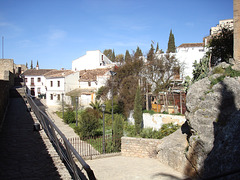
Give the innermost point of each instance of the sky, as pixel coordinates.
(56, 32)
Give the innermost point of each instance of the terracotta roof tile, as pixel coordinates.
(58, 73)
(191, 45)
(35, 72)
(91, 75)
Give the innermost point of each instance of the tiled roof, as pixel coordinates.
(191, 45)
(91, 75)
(58, 73)
(35, 72)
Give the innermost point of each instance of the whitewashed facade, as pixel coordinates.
(186, 54)
(58, 83)
(35, 81)
(92, 60)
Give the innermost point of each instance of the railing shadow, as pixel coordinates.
(23, 153)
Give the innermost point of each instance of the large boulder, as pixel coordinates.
(213, 116)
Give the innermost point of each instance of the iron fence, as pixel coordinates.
(93, 146)
(64, 148)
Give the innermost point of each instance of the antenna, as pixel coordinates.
(3, 47)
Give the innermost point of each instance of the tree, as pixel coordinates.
(108, 53)
(88, 123)
(157, 48)
(31, 64)
(171, 43)
(138, 53)
(221, 47)
(113, 56)
(26, 65)
(137, 115)
(124, 84)
(128, 57)
(120, 58)
(160, 72)
(150, 55)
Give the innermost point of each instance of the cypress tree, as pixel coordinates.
(157, 48)
(113, 56)
(137, 115)
(171, 43)
(31, 64)
(128, 57)
(138, 53)
(150, 55)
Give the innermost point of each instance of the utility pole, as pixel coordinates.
(2, 47)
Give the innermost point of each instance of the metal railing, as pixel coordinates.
(64, 148)
(93, 146)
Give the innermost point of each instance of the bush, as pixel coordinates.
(165, 130)
(88, 124)
(69, 116)
(129, 129)
(151, 112)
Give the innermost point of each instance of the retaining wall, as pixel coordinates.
(4, 94)
(139, 147)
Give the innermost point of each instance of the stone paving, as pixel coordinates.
(126, 168)
(27, 154)
(23, 153)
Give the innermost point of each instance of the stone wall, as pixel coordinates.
(139, 147)
(4, 94)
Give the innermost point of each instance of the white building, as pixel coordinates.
(90, 82)
(58, 83)
(226, 23)
(92, 60)
(36, 81)
(187, 53)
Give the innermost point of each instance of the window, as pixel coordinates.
(39, 79)
(58, 83)
(51, 96)
(32, 81)
(26, 79)
(58, 97)
(51, 83)
(89, 83)
(39, 90)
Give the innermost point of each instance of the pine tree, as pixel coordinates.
(26, 65)
(128, 57)
(137, 115)
(171, 43)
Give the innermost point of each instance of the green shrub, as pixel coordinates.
(69, 116)
(218, 70)
(129, 129)
(89, 124)
(151, 112)
(168, 129)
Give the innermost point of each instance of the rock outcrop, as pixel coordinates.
(213, 115)
(212, 145)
